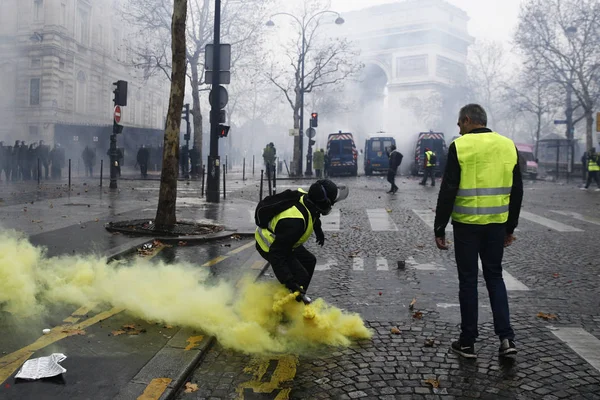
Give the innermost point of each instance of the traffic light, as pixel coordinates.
(314, 120)
(120, 93)
(186, 112)
(223, 130)
(311, 142)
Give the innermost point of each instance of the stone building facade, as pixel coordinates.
(58, 60)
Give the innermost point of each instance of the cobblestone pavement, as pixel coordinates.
(553, 268)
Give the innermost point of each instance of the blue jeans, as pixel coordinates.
(487, 242)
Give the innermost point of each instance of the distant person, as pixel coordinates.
(593, 167)
(24, 161)
(16, 165)
(269, 154)
(143, 156)
(32, 160)
(482, 190)
(319, 162)
(7, 161)
(184, 159)
(195, 161)
(57, 160)
(44, 154)
(326, 164)
(429, 164)
(395, 159)
(89, 159)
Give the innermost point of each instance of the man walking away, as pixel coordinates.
(593, 167)
(285, 222)
(395, 161)
(44, 152)
(143, 156)
(482, 190)
(89, 159)
(269, 158)
(429, 163)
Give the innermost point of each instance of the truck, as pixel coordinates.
(528, 163)
(376, 154)
(434, 141)
(342, 154)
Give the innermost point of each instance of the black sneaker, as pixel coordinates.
(507, 348)
(465, 351)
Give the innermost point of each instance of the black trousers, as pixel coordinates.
(301, 263)
(391, 178)
(592, 175)
(429, 172)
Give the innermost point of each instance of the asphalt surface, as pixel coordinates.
(552, 268)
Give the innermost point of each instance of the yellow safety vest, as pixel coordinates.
(487, 161)
(428, 155)
(266, 237)
(593, 164)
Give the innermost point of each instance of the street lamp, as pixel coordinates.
(304, 23)
(570, 32)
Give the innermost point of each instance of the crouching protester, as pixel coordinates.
(285, 222)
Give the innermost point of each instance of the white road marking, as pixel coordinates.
(578, 216)
(557, 226)
(382, 264)
(325, 267)
(423, 267)
(583, 343)
(380, 220)
(447, 305)
(358, 264)
(511, 283)
(428, 217)
(251, 212)
(331, 222)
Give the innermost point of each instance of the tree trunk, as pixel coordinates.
(196, 111)
(537, 132)
(165, 214)
(589, 130)
(297, 154)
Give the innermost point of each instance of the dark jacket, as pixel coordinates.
(449, 190)
(395, 160)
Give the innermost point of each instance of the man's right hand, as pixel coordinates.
(509, 239)
(294, 287)
(441, 243)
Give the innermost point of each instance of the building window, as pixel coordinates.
(34, 130)
(83, 26)
(61, 94)
(36, 62)
(38, 10)
(61, 64)
(81, 92)
(34, 92)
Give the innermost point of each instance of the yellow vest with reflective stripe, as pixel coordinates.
(428, 155)
(266, 237)
(487, 161)
(592, 163)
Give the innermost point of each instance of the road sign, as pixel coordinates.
(118, 114)
(224, 77)
(223, 97)
(311, 132)
(294, 132)
(560, 122)
(225, 60)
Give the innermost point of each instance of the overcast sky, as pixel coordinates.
(490, 19)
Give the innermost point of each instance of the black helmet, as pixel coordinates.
(322, 194)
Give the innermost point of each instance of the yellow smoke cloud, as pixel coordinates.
(246, 318)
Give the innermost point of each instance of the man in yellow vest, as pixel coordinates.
(282, 243)
(429, 164)
(593, 167)
(482, 190)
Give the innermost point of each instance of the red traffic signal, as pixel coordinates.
(314, 120)
(223, 131)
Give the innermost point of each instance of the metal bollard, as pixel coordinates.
(252, 165)
(274, 180)
(224, 188)
(244, 170)
(78, 167)
(261, 184)
(101, 171)
(226, 164)
(203, 172)
(69, 174)
(38, 171)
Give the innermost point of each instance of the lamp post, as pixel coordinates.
(303, 26)
(570, 32)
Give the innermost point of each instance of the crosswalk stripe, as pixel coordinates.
(380, 220)
(583, 343)
(382, 264)
(557, 226)
(331, 222)
(251, 212)
(428, 217)
(358, 264)
(325, 267)
(511, 283)
(578, 216)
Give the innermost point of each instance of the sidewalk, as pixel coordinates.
(99, 365)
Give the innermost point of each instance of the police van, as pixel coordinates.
(434, 141)
(342, 154)
(376, 154)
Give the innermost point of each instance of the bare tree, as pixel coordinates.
(563, 38)
(327, 62)
(240, 25)
(165, 214)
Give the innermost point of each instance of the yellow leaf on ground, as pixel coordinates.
(546, 316)
(433, 382)
(418, 315)
(191, 387)
(429, 342)
(412, 304)
(129, 326)
(395, 331)
(117, 333)
(73, 332)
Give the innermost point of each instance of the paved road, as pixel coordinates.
(552, 268)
